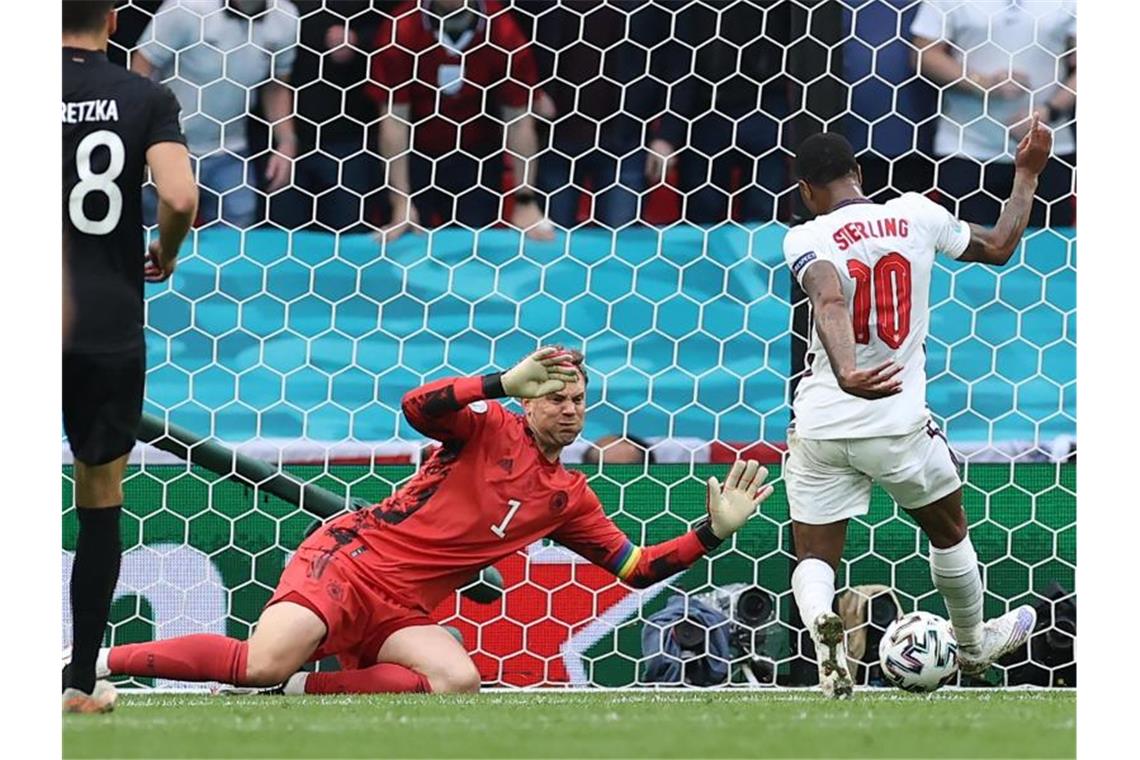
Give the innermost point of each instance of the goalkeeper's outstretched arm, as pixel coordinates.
(594, 536)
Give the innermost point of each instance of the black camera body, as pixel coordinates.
(1049, 659)
(749, 610)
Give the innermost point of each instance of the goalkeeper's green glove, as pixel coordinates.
(547, 370)
(730, 507)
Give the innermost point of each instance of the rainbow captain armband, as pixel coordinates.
(664, 559)
(625, 562)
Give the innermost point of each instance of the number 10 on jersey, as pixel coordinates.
(889, 284)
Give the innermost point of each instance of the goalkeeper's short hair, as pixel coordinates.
(825, 157)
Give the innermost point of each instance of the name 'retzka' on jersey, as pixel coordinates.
(884, 254)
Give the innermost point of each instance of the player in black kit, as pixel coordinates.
(115, 123)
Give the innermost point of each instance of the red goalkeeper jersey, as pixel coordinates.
(485, 494)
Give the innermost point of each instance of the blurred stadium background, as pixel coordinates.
(657, 137)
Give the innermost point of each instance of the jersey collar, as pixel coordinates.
(82, 55)
(849, 202)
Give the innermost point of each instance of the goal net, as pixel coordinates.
(289, 332)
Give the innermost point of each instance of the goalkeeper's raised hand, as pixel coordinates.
(731, 506)
(545, 371)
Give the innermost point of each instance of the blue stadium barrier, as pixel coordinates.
(686, 331)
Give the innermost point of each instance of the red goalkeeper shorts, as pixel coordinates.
(322, 577)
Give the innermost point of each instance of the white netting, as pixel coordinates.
(290, 333)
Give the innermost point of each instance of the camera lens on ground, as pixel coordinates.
(753, 607)
(690, 636)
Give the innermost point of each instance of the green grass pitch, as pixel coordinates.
(576, 724)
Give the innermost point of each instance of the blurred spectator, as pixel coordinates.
(213, 54)
(335, 176)
(455, 71)
(132, 20)
(889, 122)
(615, 449)
(595, 62)
(1002, 62)
(729, 105)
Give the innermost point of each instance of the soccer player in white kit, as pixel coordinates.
(860, 409)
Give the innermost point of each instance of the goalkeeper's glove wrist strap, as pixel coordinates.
(705, 535)
(493, 385)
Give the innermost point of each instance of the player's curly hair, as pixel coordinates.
(825, 157)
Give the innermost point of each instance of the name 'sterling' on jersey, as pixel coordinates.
(853, 232)
(104, 109)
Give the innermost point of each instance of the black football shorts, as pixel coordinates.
(102, 403)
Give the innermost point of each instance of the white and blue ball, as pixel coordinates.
(919, 653)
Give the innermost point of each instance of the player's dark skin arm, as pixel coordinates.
(995, 245)
(833, 324)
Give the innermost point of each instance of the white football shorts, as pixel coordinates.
(830, 480)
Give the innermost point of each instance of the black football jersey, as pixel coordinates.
(111, 116)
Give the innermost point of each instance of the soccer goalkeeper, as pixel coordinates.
(361, 588)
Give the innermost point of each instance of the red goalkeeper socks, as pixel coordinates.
(209, 657)
(385, 678)
(198, 657)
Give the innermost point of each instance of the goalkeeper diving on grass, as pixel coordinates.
(362, 586)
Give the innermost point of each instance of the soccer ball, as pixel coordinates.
(918, 653)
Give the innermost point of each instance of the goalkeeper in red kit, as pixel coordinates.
(362, 586)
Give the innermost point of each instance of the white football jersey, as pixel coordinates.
(884, 254)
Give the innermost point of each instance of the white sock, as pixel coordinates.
(813, 584)
(102, 668)
(296, 683)
(956, 576)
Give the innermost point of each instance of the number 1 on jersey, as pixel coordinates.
(500, 530)
(891, 291)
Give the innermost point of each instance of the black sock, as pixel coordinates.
(94, 574)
